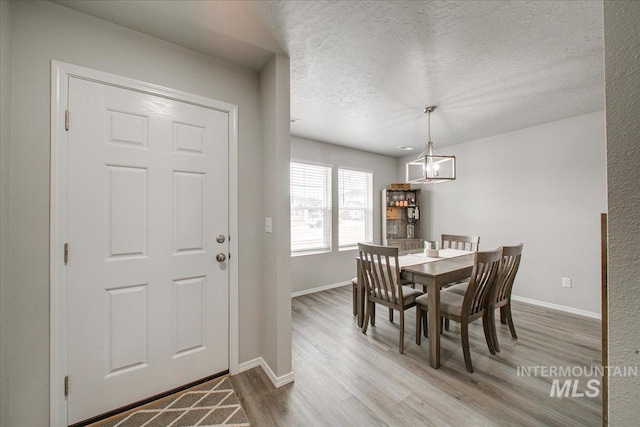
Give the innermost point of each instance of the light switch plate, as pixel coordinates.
(268, 225)
(566, 282)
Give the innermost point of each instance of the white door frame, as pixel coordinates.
(60, 73)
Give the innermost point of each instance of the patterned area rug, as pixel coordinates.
(213, 403)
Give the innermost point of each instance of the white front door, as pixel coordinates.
(147, 196)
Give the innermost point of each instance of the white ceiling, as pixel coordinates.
(361, 71)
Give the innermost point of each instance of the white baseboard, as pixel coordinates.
(259, 361)
(250, 364)
(319, 289)
(559, 307)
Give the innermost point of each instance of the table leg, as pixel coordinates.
(433, 296)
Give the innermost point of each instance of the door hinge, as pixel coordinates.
(66, 120)
(66, 253)
(66, 386)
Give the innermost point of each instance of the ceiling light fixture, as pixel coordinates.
(405, 148)
(431, 167)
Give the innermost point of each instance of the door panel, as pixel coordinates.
(188, 315)
(147, 194)
(126, 208)
(127, 328)
(188, 205)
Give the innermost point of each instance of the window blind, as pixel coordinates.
(355, 207)
(310, 208)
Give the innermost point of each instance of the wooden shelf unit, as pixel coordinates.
(401, 218)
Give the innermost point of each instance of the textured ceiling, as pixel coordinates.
(361, 71)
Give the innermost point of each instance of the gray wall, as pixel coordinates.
(544, 186)
(309, 271)
(6, 12)
(43, 31)
(622, 88)
(276, 246)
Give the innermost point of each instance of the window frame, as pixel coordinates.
(327, 209)
(368, 211)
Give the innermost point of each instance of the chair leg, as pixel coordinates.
(418, 324)
(391, 315)
(503, 315)
(510, 320)
(446, 324)
(488, 334)
(425, 323)
(464, 332)
(494, 332)
(367, 318)
(401, 331)
(373, 314)
(354, 292)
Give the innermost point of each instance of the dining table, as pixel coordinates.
(432, 273)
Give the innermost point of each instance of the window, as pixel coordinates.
(355, 203)
(310, 208)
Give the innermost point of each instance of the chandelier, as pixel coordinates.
(431, 167)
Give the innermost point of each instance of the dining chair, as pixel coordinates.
(509, 264)
(466, 243)
(507, 270)
(470, 306)
(380, 272)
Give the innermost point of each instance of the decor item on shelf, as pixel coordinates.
(413, 213)
(399, 186)
(411, 199)
(431, 167)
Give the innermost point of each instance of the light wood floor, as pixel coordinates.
(346, 378)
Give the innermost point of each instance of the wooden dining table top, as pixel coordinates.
(442, 267)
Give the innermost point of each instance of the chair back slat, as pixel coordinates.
(389, 279)
(368, 272)
(365, 273)
(482, 282)
(381, 271)
(509, 264)
(466, 243)
(379, 282)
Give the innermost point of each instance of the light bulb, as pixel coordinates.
(431, 170)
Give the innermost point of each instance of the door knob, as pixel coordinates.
(220, 239)
(221, 257)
